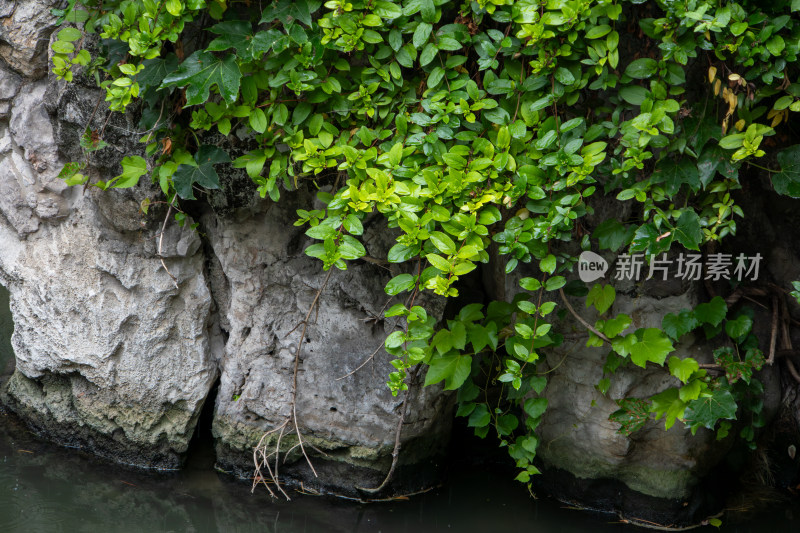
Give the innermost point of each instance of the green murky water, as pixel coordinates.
(6, 328)
(50, 489)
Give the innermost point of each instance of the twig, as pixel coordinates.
(161, 242)
(580, 318)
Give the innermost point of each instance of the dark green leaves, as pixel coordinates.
(676, 326)
(674, 174)
(202, 174)
(707, 410)
(201, 71)
(787, 180)
(687, 230)
(612, 235)
(712, 312)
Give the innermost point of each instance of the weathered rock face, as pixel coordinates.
(25, 27)
(264, 285)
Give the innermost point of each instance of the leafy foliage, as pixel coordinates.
(472, 128)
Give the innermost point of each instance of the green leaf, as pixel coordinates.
(712, 312)
(674, 174)
(236, 34)
(454, 369)
(641, 68)
(400, 283)
(601, 296)
(480, 416)
(548, 264)
(787, 180)
(707, 410)
(69, 34)
(615, 326)
(443, 243)
(676, 326)
(421, 34)
(669, 404)
(532, 284)
(203, 174)
(201, 71)
(739, 327)
(683, 368)
(258, 120)
(654, 347)
(687, 231)
(612, 235)
(427, 55)
(133, 168)
(535, 407)
(634, 94)
(506, 424)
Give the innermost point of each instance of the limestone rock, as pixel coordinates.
(108, 351)
(25, 27)
(269, 285)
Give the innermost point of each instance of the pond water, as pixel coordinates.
(47, 488)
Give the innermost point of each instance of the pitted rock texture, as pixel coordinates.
(25, 28)
(106, 345)
(265, 285)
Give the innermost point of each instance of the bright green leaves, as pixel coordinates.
(683, 368)
(669, 405)
(201, 71)
(601, 296)
(454, 369)
(653, 346)
(199, 171)
(133, 168)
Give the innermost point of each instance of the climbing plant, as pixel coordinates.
(482, 131)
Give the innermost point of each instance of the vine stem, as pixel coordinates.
(581, 319)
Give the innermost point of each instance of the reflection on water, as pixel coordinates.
(46, 488)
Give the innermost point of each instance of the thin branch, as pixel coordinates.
(580, 319)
